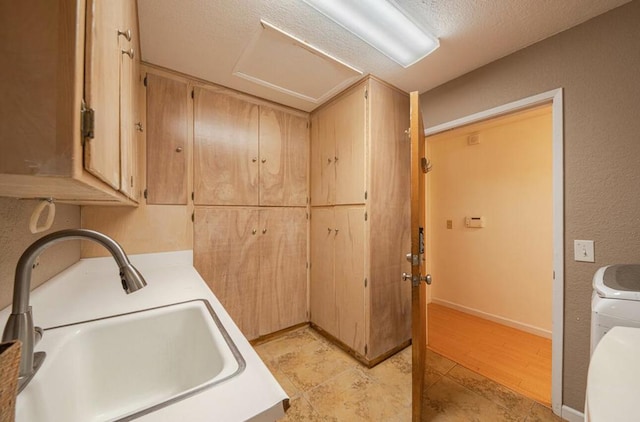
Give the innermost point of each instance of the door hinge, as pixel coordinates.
(193, 216)
(365, 194)
(193, 196)
(87, 121)
(145, 194)
(307, 215)
(366, 216)
(144, 81)
(365, 282)
(366, 94)
(366, 349)
(193, 95)
(131, 181)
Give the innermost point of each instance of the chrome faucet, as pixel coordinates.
(20, 323)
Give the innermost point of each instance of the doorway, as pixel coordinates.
(474, 219)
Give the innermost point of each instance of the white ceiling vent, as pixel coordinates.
(282, 62)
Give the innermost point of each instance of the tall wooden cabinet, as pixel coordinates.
(250, 196)
(360, 220)
(66, 55)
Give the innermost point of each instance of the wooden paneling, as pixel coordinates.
(226, 149)
(349, 276)
(350, 132)
(226, 255)
(167, 144)
(284, 156)
(388, 204)
(322, 287)
(283, 274)
(102, 89)
(323, 169)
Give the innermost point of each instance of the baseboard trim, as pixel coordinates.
(495, 318)
(571, 415)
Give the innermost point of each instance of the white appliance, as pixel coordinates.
(616, 299)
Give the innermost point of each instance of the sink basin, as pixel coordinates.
(121, 367)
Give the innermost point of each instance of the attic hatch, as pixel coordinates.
(282, 62)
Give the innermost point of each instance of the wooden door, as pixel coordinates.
(322, 289)
(350, 131)
(284, 157)
(225, 149)
(128, 91)
(226, 255)
(349, 276)
(167, 134)
(283, 273)
(418, 288)
(102, 89)
(323, 152)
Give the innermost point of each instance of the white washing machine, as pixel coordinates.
(616, 299)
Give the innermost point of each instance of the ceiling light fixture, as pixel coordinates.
(382, 25)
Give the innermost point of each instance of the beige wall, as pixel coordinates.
(15, 237)
(503, 270)
(597, 65)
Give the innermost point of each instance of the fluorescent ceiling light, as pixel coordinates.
(382, 25)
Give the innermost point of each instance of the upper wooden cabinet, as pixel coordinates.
(54, 66)
(167, 142)
(338, 134)
(247, 153)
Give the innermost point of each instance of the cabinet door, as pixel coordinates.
(128, 90)
(350, 134)
(283, 273)
(322, 288)
(349, 276)
(102, 89)
(167, 121)
(284, 154)
(323, 153)
(226, 149)
(226, 256)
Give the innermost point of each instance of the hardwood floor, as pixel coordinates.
(513, 358)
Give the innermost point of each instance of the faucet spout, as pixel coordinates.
(20, 323)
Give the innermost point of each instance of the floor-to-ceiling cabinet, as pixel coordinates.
(359, 220)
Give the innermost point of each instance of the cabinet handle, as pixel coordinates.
(179, 149)
(329, 229)
(126, 34)
(336, 230)
(264, 231)
(264, 160)
(139, 127)
(335, 159)
(254, 231)
(253, 160)
(329, 160)
(129, 52)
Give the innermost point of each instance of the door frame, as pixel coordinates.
(555, 97)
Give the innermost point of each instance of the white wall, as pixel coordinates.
(504, 270)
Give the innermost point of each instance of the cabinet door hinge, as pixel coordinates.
(87, 121)
(146, 194)
(193, 93)
(366, 216)
(365, 194)
(365, 282)
(366, 349)
(307, 265)
(193, 196)
(307, 215)
(366, 94)
(193, 216)
(144, 81)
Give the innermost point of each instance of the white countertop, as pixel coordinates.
(91, 289)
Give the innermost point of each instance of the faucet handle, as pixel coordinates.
(39, 333)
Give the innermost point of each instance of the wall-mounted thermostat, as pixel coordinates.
(474, 222)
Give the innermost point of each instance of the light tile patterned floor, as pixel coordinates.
(326, 384)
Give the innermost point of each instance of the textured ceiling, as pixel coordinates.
(206, 38)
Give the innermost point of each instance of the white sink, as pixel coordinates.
(613, 383)
(124, 366)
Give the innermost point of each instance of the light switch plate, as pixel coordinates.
(583, 251)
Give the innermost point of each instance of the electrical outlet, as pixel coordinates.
(583, 251)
